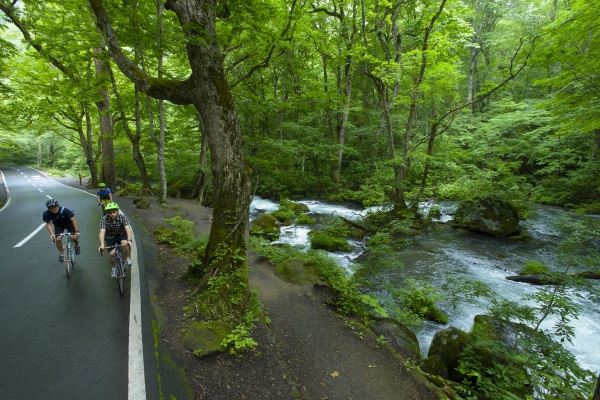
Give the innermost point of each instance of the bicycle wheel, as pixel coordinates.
(120, 276)
(72, 253)
(68, 263)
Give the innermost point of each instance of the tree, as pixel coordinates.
(208, 90)
(62, 59)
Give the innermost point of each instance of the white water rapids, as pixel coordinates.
(445, 253)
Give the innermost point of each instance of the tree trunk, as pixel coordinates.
(160, 157)
(133, 138)
(200, 179)
(107, 149)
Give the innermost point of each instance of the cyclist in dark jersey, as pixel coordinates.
(58, 219)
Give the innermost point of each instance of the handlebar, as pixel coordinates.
(110, 248)
(71, 235)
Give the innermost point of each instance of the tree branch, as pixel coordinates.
(175, 91)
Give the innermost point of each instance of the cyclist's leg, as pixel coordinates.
(111, 256)
(58, 229)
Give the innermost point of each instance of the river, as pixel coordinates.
(446, 253)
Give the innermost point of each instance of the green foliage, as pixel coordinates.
(531, 357)
(320, 240)
(183, 237)
(348, 298)
(305, 219)
(533, 267)
(222, 299)
(240, 340)
(419, 298)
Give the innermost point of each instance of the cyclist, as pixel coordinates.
(62, 218)
(103, 195)
(115, 229)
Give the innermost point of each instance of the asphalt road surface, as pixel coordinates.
(67, 338)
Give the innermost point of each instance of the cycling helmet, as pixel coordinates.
(102, 184)
(111, 206)
(52, 203)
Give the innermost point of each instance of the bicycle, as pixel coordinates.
(103, 203)
(120, 266)
(68, 251)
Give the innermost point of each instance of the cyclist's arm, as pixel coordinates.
(129, 234)
(101, 237)
(75, 225)
(50, 228)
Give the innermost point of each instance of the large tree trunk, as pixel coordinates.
(208, 89)
(213, 100)
(201, 178)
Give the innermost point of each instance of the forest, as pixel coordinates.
(374, 102)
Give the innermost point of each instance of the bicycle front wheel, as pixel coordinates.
(120, 276)
(68, 261)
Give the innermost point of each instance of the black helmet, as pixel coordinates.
(52, 203)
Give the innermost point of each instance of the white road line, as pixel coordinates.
(7, 192)
(137, 378)
(22, 242)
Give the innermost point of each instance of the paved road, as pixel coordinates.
(65, 338)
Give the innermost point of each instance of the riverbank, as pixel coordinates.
(306, 352)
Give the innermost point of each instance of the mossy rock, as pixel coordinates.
(449, 344)
(204, 338)
(298, 270)
(164, 234)
(435, 366)
(266, 226)
(122, 192)
(402, 339)
(142, 203)
(297, 208)
(286, 217)
(490, 216)
(323, 241)
(305, 219)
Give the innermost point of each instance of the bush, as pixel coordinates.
(533, 267)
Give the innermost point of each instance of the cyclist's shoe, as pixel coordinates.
(113, 273)
(61, 258)
(77, 250)
(129, 263)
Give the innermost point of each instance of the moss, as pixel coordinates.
(323, 241)
(305, 219)
(266, 226)
(204, 338)
(533, 267)
(286, 217)
(164, 234)
(299, 270)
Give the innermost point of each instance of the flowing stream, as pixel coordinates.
(446, 253)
